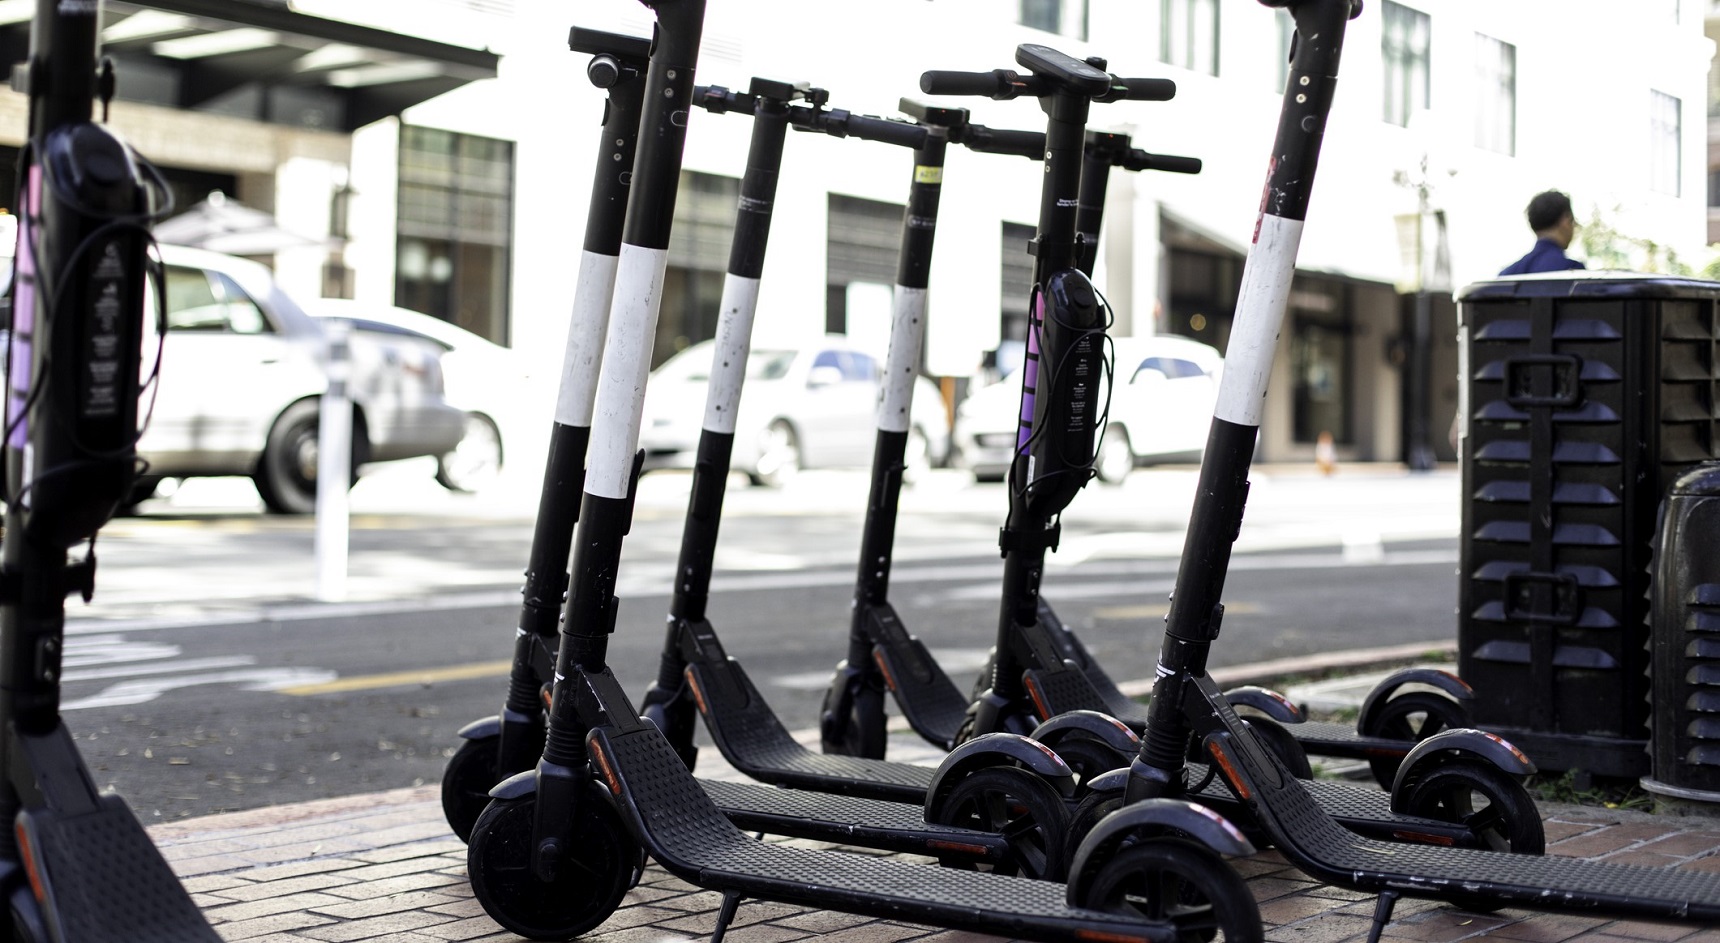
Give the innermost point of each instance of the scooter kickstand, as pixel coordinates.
(731, 903)
(1382, 914)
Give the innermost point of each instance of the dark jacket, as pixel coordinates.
(1545, 257)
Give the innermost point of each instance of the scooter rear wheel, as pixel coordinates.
(466, 783)
(1412, 717)
(1019, 806)
(1089, 756)
(1176, 881)
(589, 881)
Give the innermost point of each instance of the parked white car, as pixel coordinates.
(483, 379)
(1160, 410)
(808, 407)
(242, 374)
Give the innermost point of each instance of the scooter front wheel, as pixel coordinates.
(1175, 881)
(1021, 807)
(588, 882)
(1491, 803)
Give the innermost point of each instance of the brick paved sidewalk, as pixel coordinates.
(385, 867)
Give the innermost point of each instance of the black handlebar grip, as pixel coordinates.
(991, 84)
(1141, 90)
(1029, 144)
(903, 133)
(1169, 163)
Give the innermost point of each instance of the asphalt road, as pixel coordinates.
(204, 678)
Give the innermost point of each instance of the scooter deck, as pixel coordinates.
(1314, 842)
(104, 880)
(754, 741)
(850, 820)
(678, 825)
(929, 701)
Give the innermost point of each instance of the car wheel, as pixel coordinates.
(916, 456)
(476, 462)
(141, 490)
(778, 454)
(286, 475)
(1115, 459)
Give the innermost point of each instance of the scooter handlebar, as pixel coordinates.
(1029, 144)
(1001, 84)
(1140, 90)
(1169, 163)
(901, 133)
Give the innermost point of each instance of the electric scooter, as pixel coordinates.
(1187, 706)
(553, 854)
(501, 745)
(1030, 838)
(75, 865)
(493, 746)
(882, 652)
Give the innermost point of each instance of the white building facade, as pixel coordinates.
(472, 205)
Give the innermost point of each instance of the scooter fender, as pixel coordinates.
(523, 783)
(1110, 781)
(490, 726)
(1451, 744)
(999, 749)
(1150, 819)
(1451, 684)
(1266, 701)
(1102, 727)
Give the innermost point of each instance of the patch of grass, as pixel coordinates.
(1577, 788)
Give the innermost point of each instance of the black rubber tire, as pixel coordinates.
(775, 470)
(142, 490)
(286, 473)
(1114, 460)
(862, 732)
(1092, 807)
(1509, 820)
(1089, 756)
(1018, 805)
(1175, 880)
(587, 888)
(1276, 737)
(466, 783)
(477, 461)
(1412, 717)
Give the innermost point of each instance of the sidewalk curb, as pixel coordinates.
(1326, 663)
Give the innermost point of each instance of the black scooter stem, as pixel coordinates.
(1196, 609)
(612, 466)
(733, 343)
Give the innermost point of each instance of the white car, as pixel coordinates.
(1160, 410)
(241, 377)
(808, 407)
(483, 379)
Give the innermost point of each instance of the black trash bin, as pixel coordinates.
(1585, 395)
(1685, 633)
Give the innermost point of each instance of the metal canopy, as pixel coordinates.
(260, 59)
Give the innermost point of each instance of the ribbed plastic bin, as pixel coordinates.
(1586, 395)
(1685, 630)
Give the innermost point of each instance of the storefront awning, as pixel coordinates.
(1370, 259)
(262, 60)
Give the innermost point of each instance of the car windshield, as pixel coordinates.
(694, 366)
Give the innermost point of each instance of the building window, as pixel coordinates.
(1188, 34)
(1405, 37)
(1714, 188)
(1321, 354)
(864, 243)
(1017, 287)
(699, 245)
(1665, 166)
(1495, 95)
(455, 228)
(1064, 17)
